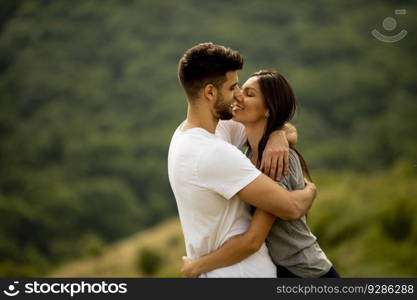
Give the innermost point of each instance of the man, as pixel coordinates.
(211, 179)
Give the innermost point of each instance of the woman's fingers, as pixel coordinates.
(187, 270)
(286, 162)
(266, 165)
(279, 168)
(274, 165)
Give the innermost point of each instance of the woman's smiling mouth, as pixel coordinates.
(237, 107)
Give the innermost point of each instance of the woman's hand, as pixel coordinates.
(189, 268)
(311, 186)
(275, 156)
(275, 161)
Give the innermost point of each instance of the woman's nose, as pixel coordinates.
(238, 95)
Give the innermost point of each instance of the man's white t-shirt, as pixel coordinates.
(231, 132)
(205, 173)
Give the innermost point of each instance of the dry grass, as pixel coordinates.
(120, 259)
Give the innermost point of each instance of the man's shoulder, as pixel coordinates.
(194, 136)
(220, 155)
(219, 147)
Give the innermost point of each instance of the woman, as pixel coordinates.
(268, 102)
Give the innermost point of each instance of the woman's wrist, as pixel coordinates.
(197, 267)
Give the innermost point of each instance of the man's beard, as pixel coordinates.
(222, 109)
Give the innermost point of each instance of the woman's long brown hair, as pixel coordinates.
(282, 104)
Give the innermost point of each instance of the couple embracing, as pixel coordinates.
(237, 221)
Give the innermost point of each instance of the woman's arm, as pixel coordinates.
(275, 156)
(275, 162)
(234, 250)
(291, 133)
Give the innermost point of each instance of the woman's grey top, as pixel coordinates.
(291, 243)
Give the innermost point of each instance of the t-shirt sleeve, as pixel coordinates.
(294, 180)
(284, 183)
(231, 132)
(225, 170)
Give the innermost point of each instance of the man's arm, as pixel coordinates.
(234, 250)
(269, 196)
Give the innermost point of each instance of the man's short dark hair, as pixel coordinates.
(204, 64)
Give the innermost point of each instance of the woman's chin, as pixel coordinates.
(236, 119)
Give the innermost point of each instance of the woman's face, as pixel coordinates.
(250, 108)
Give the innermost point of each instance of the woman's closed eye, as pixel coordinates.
(249, 94)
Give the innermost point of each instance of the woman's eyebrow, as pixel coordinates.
(251, 88)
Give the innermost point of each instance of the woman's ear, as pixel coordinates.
(267, 114)
(210, 92)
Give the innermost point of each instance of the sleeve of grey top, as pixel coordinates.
(294, 179)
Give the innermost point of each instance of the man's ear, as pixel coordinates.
(210, 92)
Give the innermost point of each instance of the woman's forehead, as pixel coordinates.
(252, 82)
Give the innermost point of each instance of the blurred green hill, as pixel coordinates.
(89, 99)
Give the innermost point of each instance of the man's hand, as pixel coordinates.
(188, 269)
(275, 156)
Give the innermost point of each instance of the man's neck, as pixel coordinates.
(198, 116)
